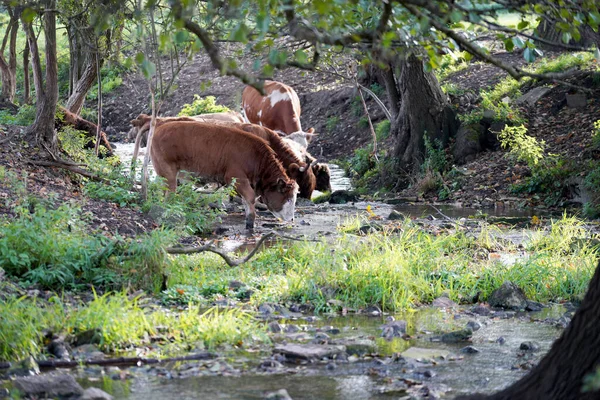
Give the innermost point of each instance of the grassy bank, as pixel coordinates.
(394, 271)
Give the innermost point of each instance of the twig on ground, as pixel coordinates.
(454, 221)
(69, 167)
(208, 247)
(46, 364)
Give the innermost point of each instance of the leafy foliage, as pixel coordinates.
(24, 117)
(549, 180)
(522, 146)
(202, 106)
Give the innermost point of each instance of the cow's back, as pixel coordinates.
(279, 109)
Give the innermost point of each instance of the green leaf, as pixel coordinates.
(523, 24)
(241, 33)
(28, 15)
(456, 16)
(139, 58)
(529, 55)
(509, 45)
(565, 13)
(538, 8)
(566, 37)
(474, 17)
(181, 37)
(468, 56)
(148, 69)
(301, 57)
(576, 34)
(262, 22)
(517, 41)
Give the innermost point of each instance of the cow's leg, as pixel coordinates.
(248, 196)
(168, 172)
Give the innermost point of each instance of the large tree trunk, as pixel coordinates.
(42, 130)
(8, 69)
(548, 30)
(423, 110)
(559, 375)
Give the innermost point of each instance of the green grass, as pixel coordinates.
(396, 272)
(121, 323)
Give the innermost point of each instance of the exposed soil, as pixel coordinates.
(44, 182)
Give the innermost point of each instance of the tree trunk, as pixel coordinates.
(8, 69)
(548, 30)
(82, 87)
(26, 83)
(559, 375)
(42, 129)
(424, 110)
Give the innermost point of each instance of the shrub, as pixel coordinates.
(202, 106)
(24, 116)
(363, 122)
(592, 183)
(332, 123)
(435, 156)
(596, 134)
(382, 129)
(549, 179)
(522, 146)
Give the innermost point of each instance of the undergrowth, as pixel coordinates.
(395, 271)
(201, 105)
(121, 322)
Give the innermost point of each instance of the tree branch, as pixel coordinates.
(210, 248)
(71, 168)
(213, 52)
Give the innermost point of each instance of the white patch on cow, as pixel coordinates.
(276, 97)
(259, 114)
(246, 120)
(299, 137)
(287, 211)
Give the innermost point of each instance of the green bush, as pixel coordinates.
(435, 156)
(363, 122)
(382, 130)
(331, 123)
(549, 180)
(522, 146)
(202, 106)
(592, 183)
(24, 117)
(596, 134)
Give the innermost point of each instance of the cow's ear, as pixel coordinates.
(281, 184)
(294, 170)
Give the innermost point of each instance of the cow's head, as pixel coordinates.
(304, 176)
(323, 177)
(280, 198)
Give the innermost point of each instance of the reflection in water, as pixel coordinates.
(487, 371)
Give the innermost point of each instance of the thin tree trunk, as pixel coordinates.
(560, 374)
(26, 82)
(36, 64)
(82, 87)
(8, 69)
(42, 129)
(99, 130)
(391, 89)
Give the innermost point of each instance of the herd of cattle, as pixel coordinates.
(264, 150)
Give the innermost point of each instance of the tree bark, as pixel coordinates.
(559, 375)
(548, 30)
(82, 87)
(83, 67)
(42, 130)
(26, 82)
(8, 69)
(424, 110)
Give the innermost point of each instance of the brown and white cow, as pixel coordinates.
(227, 116)
(279, 110)
(224, 153)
